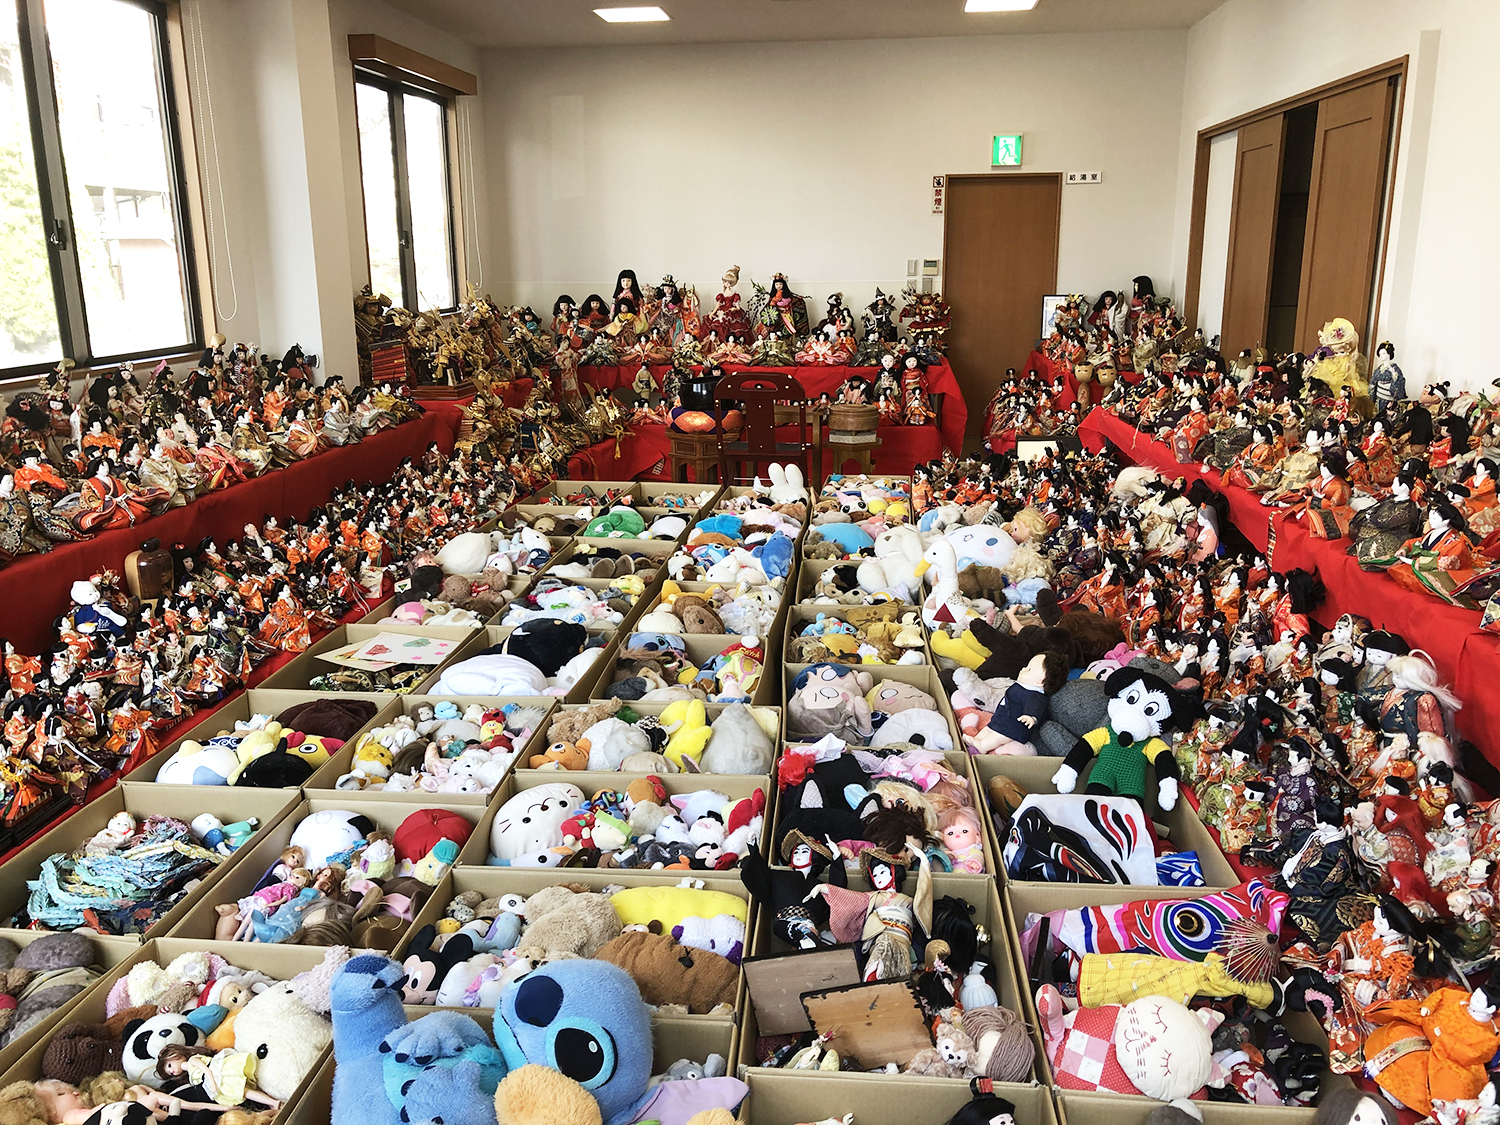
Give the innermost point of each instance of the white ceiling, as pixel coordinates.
(572, 23)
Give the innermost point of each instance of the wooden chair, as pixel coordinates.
(760, 391)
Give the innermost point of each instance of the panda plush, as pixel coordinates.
(144, 1040)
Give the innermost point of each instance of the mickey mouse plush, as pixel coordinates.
(1141, 708)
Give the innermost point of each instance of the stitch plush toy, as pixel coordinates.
(1141, 708)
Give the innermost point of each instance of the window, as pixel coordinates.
(404, 165)
(94, 253)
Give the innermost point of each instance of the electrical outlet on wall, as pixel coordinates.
(911, 267)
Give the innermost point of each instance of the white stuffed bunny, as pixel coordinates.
(787, 484)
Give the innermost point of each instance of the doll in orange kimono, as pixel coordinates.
(1481, 506)
(105, 501)
(1379, 455)
(1328, 510)
(1454, 1035)
(1189, 432)
(1441, 558)
(1266, 449)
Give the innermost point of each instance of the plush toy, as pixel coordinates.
(561, 756)
(1153, 1046)
(688, 733)
(739, 745)
(829, 699)
(668, 972)
(328, 833)
(951, 1056)
(562, 923)
(532, 820)
(1141, 707)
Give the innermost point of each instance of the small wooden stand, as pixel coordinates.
(701, 451)
(852, 435)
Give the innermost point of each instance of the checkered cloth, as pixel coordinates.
(1085, 1058)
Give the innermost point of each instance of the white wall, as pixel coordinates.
(816, 159)
(1445, 229)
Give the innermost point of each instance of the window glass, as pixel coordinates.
(378, 171)
(121, 191)
(427, 180)
(28, 307)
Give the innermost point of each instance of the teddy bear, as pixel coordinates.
(562, 922)
(569, 725)
(951, 1056)
(670, 973)
(560, 756)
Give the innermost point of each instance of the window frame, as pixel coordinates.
(52, 191)
(396, 91)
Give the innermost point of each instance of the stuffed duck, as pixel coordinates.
(945, 605)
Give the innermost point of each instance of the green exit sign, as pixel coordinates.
(1006, 151)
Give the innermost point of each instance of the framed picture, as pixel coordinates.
(1050, 304)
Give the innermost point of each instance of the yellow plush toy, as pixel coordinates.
(639, 906)
(964, 649)
(688, 732)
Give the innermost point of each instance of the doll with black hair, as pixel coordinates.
(1442, 558)
(889, 926)
(797, 919)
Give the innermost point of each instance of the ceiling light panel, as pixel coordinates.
(652, 14)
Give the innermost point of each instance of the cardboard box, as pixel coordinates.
(298, 673)
(182, 801)
(803, 614)
(323, 783)
(597, 488)
(494, 634)
(1077, 1107)
(1184, 829)
(254, 860)
(768, 718)
(493, 881)
(476, 853)
(701, 648)
(262, 701)
(994, 949)
(780, 1097)
(275, 960)
(651, 494)
(1024, 899)
(111, 953)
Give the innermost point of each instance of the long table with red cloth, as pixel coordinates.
(953, 412)
(1465, 657)
(34, 589)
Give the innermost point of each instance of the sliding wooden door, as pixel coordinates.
(1252, 234)
(1000, 236)
(1344, 210)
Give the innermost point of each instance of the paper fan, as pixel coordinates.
(1251, 952)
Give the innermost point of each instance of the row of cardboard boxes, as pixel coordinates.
(776, 1095)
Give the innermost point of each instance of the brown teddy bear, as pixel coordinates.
(560, 756)
(569, 726)
(668, 972)
(562, 923)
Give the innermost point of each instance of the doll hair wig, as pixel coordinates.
(1417, 669)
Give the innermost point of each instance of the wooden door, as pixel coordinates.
(1000, 245)
(1252, 234)
(1344, 209)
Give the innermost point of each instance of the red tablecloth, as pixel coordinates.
(34, 590)
(1465, 658)
(953, 412)
(1245, 509)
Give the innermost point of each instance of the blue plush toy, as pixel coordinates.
(775, 555)
(850, 537)
(721, 524)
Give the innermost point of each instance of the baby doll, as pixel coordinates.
(1024, 707)
(962, 840)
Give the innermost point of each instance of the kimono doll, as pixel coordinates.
(1387, 382)
(918, 411)
(1328, 512)
(1193, 428)
(106, 501)
(1460, 1035)
(1381, 532)
(1481, 507)
(1290, 481)
(1266, 450)
(1441, 559)
(887, 924)
(1379, 455)
(800, 919)
(1320, 873)
(1245, 815)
